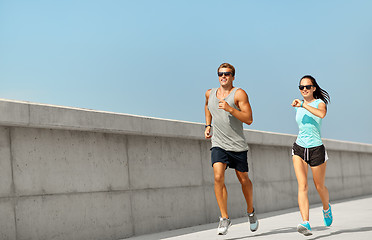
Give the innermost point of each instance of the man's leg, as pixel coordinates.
(247, 189)
(220, 187)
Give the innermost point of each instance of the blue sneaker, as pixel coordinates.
(304, 228)
(328, 218)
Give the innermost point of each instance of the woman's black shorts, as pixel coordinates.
(314, 156)
(236, 160)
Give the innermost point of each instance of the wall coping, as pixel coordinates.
(37, 115)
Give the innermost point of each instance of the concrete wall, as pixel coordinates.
(70, 173)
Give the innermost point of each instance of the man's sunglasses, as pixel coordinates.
(220, 74)
(308, 87)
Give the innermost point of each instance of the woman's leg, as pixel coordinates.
(301, 169)
(319, 179)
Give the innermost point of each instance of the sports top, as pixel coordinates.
(309, 126)
(227, 129)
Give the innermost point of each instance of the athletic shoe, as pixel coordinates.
(304, 228)
(253, 221)
(223, 226)
(328, 218)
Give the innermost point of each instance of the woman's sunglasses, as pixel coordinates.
(308, 87)
(220, 74)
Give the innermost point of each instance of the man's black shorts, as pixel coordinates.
(314, 156)
(236, 160)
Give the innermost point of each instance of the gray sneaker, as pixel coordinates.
(304, 228)
(253, 221)
(223, 226)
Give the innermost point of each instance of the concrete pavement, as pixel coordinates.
(352, 220)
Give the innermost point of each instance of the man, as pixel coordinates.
(229, 108)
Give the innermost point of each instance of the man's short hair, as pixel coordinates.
(227, 65)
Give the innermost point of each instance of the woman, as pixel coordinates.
(309, 149)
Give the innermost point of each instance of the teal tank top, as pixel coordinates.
(227, 130)
(309, 126)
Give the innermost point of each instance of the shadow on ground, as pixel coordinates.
(272, 232)
(315, 231)
(338, 232)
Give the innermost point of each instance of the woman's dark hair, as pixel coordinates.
(319, 92)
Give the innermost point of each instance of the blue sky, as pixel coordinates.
(157, 58)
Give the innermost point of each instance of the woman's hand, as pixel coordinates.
(296, 103)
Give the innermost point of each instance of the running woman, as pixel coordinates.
(229, 107)
(309, 149)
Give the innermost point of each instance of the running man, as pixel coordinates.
(308, 150)
(229, 108)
